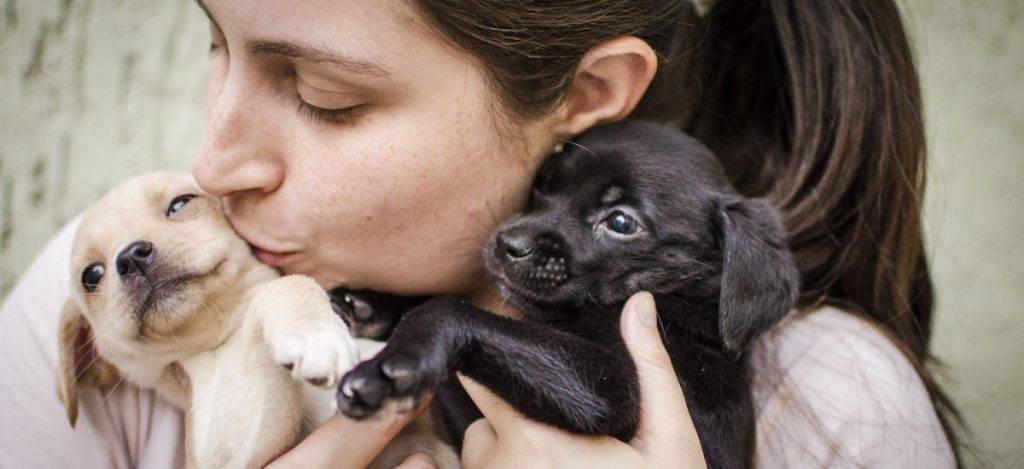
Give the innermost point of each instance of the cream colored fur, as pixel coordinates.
(217, 345)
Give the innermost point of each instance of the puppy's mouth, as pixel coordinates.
(523, 299)
(154, 292)
(533, 286)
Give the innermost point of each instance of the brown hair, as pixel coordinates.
(814, 105)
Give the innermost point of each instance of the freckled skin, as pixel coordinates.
(715, 261)
(401, 197)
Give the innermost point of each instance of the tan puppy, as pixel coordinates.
(167, 296)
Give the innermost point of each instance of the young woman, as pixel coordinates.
(376, 144)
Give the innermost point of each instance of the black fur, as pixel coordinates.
(715, 261)
(371, 314)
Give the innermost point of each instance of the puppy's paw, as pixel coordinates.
(401, 376)
(362, 318)
(370, 314)
(319, 356)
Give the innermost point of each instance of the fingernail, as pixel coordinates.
(643, 305)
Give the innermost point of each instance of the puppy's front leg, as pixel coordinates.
(245, 407)
(547, 374)
(303, 332)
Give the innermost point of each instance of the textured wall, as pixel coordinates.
(93, 91)
(972, 64)
(97, 90)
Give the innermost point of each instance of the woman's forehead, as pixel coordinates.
(377, 38)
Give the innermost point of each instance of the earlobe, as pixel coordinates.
(609, 81)
(78, 364)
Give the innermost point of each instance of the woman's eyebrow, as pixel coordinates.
(311, 54)
(299, 51)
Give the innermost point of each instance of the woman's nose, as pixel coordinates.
(238, 153)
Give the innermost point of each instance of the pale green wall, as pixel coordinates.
(94, 91)
(971, 56)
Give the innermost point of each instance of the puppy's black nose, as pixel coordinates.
(136, 259)
(514, 244)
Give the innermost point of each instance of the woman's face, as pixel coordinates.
(350, 143)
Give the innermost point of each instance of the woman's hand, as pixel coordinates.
(345, 443)
(665, 437)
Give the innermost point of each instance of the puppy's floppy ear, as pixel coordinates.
(78, 363)
(760, 281)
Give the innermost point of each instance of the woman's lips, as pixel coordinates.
(269, 257)
(273, 259)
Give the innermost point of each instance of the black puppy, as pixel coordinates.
(371, 314)
(631, 206)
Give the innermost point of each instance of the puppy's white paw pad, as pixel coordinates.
(287, 350)
(324, 355)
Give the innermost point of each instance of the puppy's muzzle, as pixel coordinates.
(136, 260)
(145, 279)
(535, 259)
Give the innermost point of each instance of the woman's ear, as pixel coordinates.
(78, 363)
(760, 281)
(609, 82)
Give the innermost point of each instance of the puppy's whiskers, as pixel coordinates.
(581, 147)
(87, 346)
(106, 395)
(175, 338)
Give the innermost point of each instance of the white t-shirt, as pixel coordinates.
(829, 390)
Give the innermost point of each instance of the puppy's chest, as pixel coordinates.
(238, 371)
(597, 323)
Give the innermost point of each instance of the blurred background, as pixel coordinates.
(94, 91)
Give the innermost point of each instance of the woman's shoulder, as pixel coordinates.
(832, 387)
(45, 285)
(805, 338)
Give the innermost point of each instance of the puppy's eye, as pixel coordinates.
(342, 303)
(92, 276)
(178, 203)
(347, 300)
(622, 223)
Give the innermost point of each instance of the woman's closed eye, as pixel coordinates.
(334, 116)
(325, 105)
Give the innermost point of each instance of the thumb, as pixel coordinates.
(666, 427)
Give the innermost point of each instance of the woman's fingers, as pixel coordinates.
(499, 413)
(478, 444)
(343, 442)
(665, 438)
(666, 429)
